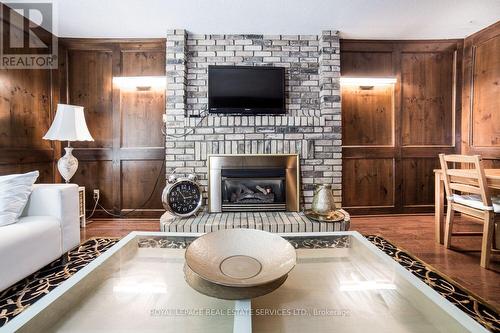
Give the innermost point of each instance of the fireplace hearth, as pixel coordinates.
(239, 183)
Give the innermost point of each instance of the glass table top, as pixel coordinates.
(341, 282)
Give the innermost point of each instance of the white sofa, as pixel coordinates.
(48, 228)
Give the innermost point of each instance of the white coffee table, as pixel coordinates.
(138, 286)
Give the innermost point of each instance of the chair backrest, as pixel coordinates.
(470, 180)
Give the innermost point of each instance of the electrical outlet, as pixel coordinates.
(97, 194)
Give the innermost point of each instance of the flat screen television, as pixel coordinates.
(246, 90)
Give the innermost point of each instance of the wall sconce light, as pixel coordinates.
(367, 82)
(140, 83)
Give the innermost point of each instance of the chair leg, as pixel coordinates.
(450, 214)
(488, 228)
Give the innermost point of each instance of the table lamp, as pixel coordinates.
(68, 125)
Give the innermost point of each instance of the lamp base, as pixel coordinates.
(67, 165)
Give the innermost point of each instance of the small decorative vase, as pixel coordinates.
(67, 165)
(323, 201)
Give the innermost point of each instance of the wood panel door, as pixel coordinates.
(481, 91)
(125, 162)
(392, 134)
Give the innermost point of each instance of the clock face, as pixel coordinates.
(184, 197)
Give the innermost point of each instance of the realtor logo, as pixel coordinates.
(27, 36)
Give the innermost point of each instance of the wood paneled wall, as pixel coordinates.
(392, 135)
(127, 155)
(481, 95)
(27, 97)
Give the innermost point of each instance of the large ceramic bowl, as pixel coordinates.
(223, 292)
(240, 257)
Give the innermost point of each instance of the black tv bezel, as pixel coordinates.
(248, 111)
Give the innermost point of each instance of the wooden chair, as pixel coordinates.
(467, 192)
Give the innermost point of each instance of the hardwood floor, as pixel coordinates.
(414, 233)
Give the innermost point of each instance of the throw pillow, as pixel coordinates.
(14, 193)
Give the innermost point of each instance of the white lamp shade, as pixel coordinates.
(69, 125)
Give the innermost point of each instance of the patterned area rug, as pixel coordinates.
(17, 298)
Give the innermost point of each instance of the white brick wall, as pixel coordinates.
(311, 127)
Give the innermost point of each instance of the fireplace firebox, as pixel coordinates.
(253, 189)
(239, 183)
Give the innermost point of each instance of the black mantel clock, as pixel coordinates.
(182, 196)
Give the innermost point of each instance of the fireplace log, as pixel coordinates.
(244, 194)
(263, 190)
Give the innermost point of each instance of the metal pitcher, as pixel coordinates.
(323, 201)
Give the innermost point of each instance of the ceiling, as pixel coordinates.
(368, 19)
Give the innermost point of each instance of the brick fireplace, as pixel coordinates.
(311, 128)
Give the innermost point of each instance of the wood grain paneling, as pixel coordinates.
(90, 85)
(426, 103)
(142, 142)
(480, 103)
(370, 182)
(127, 156)
(46, 170)
(139, 178)
(26, 102)
(366, 64)
(486, 94)
(367, 116)
(143, 63)
(24, 108)
(427, 80)
(96, 175)
(418, 181)
(142, 112)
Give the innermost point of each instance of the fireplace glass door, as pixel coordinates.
(253, 189)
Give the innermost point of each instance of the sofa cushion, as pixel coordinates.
(61, 201)
(14, 193)
(475, 201)
(27, 246)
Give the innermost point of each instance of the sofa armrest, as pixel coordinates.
(61, 201)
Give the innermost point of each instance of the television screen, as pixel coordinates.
(246, 89)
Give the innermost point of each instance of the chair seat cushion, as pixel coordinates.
(475, 201)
